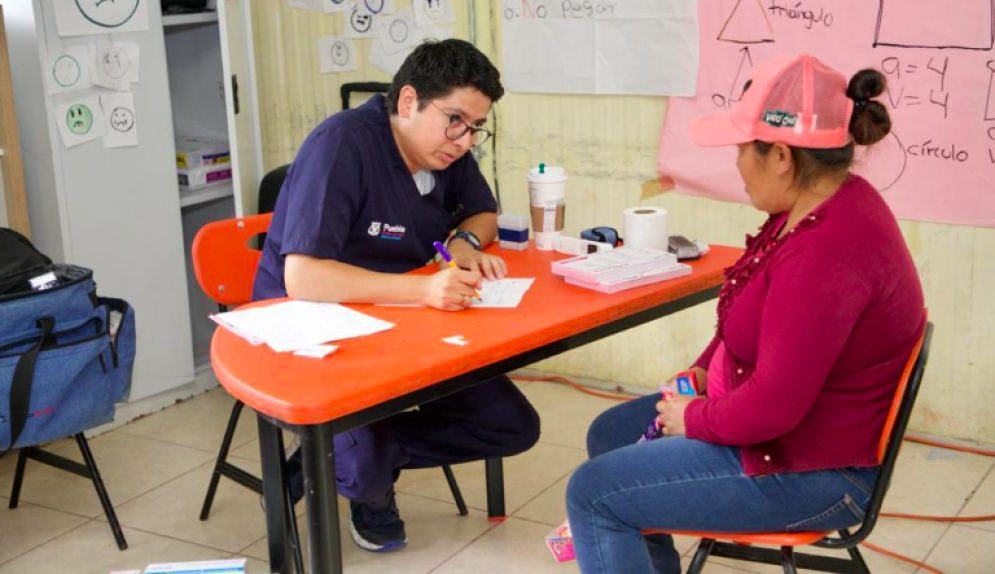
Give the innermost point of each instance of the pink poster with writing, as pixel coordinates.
(939, 162)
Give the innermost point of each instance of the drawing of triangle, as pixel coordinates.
(748, 24)
(990, 102)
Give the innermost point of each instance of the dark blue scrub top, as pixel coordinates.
(349, 196)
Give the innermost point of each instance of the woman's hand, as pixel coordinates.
(672, 414)
(450, 289)
(465, 256)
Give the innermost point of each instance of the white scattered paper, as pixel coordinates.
(397, 31)
(502, 294)
(332, 6)
(456, 340)
(360, 20)
(120, 120)
(80, 121)
(336, 54)
(313, 5)
(601, 47)
(319, 352)
(381, 60)
(432, 12)
(296, 325)
(68, 70)
(86, 17)
(116, 64)
(391, 63)
(435, 33)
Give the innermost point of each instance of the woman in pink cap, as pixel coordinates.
(815, 324)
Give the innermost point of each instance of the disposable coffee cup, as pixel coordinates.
(547, 198)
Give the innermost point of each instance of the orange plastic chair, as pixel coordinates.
(223, 261)
(738, 546)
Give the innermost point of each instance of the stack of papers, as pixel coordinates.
(620, 269)
(296, 325)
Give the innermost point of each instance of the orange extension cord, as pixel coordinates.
(874, 547)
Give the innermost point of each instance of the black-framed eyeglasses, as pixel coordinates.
(457, 128)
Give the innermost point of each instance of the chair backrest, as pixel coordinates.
(370, 87)
(891, 438)
(223, 261)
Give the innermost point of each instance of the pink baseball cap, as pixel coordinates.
(793, 99)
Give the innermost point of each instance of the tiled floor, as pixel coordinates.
(157, 468)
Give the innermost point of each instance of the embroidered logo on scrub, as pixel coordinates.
(779, 119)
(386, 231)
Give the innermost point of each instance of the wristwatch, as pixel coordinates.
(467, 236)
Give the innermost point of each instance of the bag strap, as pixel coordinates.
(20, 388)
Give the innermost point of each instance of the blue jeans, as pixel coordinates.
(677, 483)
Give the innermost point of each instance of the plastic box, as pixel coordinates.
(194, 152)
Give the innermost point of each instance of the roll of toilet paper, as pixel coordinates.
(645, 227)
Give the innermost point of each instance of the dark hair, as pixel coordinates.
(435, 68)
(869, 124)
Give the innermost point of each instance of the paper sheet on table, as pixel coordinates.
(499, 294)
(503, 293)
(295, 325)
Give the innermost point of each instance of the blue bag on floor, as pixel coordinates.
(66, 355)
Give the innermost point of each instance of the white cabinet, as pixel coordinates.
(120, 211)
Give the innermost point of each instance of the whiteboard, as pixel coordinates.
(647, 47)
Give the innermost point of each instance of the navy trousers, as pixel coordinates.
(490, 420)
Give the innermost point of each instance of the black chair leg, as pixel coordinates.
(15, 490)
(222, 462)
(494, 471)
(98, 483)
(454, 487)
(788, 560)
(855, 555)
(701, 556)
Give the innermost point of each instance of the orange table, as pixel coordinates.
(370, 378)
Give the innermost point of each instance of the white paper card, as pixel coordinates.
(336, 54)
(432, 12)
(80, 121)
(319, 352)
(360, 21)
(381, 60)
(86, 17)
(333, 6)
(120, 120)
(68, 70)
(502, 294)
(397, 31)
(116, 63)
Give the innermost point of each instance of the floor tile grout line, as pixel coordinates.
(52, 539)
(490, 528)
(950, 525)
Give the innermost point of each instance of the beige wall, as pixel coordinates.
(608, 146)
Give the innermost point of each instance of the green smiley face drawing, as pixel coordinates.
(79, 119)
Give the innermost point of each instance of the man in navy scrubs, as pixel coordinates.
(367, 194)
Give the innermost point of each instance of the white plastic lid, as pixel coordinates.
(513, 221)
(550, 174)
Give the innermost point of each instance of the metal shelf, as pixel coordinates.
(188, 19)
(191, 197)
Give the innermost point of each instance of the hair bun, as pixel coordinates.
(870, 122)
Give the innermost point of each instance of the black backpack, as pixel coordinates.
(19, 262)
